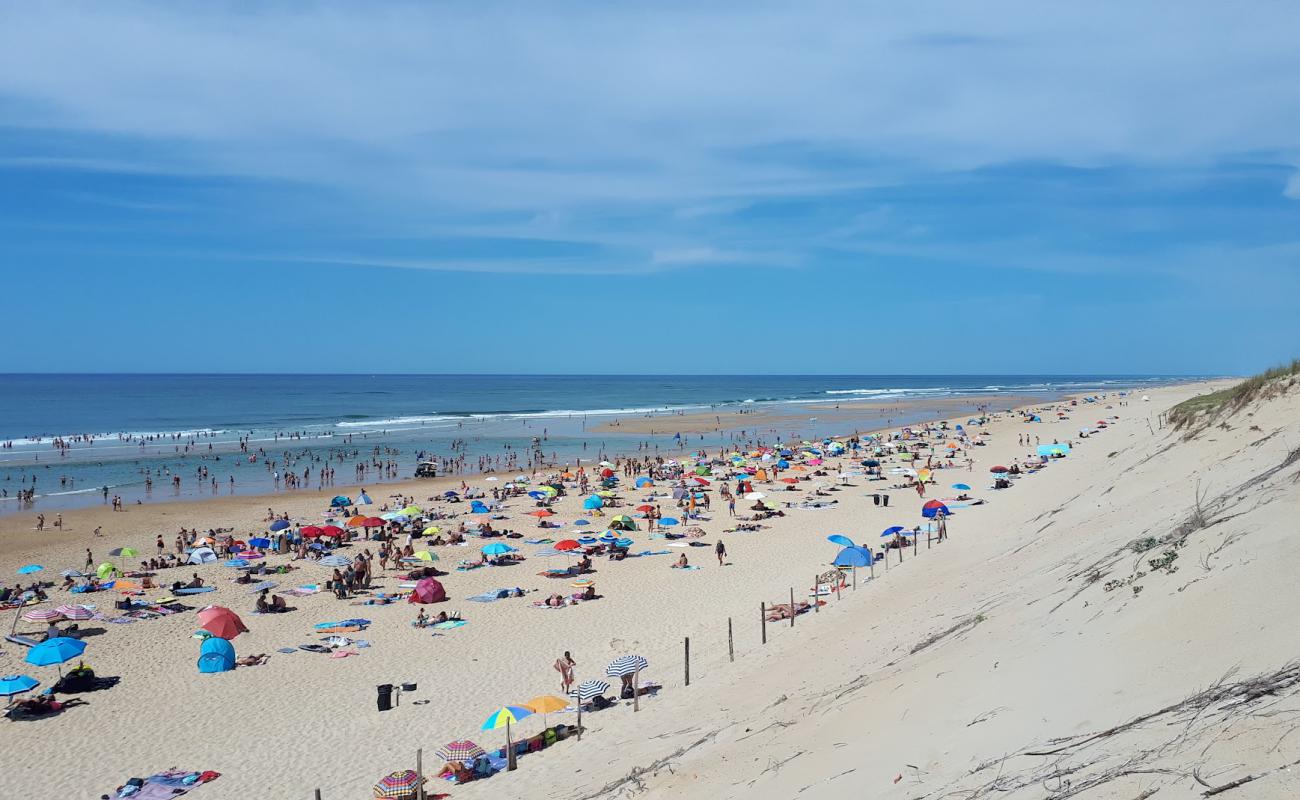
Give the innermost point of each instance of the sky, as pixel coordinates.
(650, 187)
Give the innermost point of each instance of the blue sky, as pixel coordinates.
(658, 187)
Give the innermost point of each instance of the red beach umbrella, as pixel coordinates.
(331, 530)
(221, 621)
(310, 532)
(541, 512)
(565, 545)
(999, 469)
(373, 522)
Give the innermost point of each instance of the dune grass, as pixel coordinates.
(1232, 398)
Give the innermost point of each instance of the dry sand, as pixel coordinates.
(919, 683)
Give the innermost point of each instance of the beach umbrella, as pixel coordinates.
(221, 622)
(870, 462)
(623, 543)
(412, 510)
(644, 481)
(502, 717)
(606, 493)
(933, 508)
(592, 503)
(460, 750)
(546, 704)
(235, 562)
(424, 555)
(432, 530)
(668, 522)
(356, 522)
(623, 523)
(75, 612)
(608, 536)
(43, 615)
(279, 524)
(541, 513)
(998, 469)
(626, 665)
(373, 522)
(496, 549)
(11, 685)
(105, 570)
(536, 495)
(123, 552)
(645, 509)
(450, 494)
(311, 532)
(55, 651)
(841, 540)
(891, 531)
(402, 785)
(582, 522)
(961, 487)
(29, 569)
(259, 541)
(335, 561)
(589, 689)
(567, 544)
(853, 557)
(331, 530)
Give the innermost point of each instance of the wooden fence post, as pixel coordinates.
(791, 606)
(762, 619)
(419, 774)
(318, 794)
(688, 660)
(731, 643)
(817, 591)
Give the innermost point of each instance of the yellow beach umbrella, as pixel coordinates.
(432, 530)
(425, 555)
(547, 704)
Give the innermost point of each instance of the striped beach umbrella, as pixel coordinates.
(626, 665)
(502, 717)
(43, 615)
(335, 561)
(398, 785)
(460, 750)
(75, 612)
(589, 689)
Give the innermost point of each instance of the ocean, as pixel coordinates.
(77, 439)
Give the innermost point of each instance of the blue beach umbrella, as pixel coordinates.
(279, 524)
(624, 543)
(11, 685)
(961, 487)
(668, 522)
(644, 481)
(892, 531)
(236, 562)
(496, 549)
(55, 651)
(259, 541)
(841, 540)
(592, 503)
(582, 522)
(853, 557)
(29, 569)
(537, 495)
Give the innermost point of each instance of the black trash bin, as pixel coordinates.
(385, 699)
(875, 498)
(885, 499)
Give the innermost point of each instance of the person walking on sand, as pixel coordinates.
(90, 559)
(721, 550)
(564, 665)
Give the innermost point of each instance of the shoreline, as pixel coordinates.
(869, 416)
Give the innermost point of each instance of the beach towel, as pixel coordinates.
(650, 553)
(686, 569)
(300, 591)
(196, 590)
(451, 623)
(490, 596)
(314, 648)
(21, 640)
(286, 650)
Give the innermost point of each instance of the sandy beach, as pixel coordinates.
(991, 586)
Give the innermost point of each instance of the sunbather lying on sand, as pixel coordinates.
(780, 611)
(253, 661)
